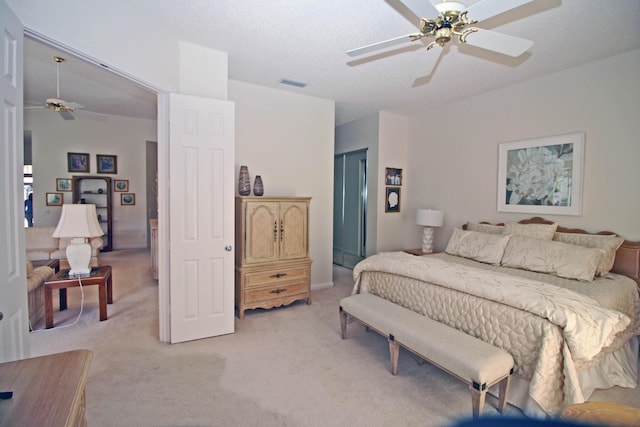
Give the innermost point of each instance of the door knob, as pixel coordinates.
(228, 248)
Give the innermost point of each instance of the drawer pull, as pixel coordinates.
(278, 291)
(278, 275)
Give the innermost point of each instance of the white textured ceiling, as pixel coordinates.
(306, 41)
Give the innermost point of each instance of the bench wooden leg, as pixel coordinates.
(477, 399)
(394, 352)
(504, 391)
(343, 323)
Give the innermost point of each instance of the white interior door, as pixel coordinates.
(14, 325)
(201, 211)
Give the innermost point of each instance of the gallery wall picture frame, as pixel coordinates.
(63, 184)
(127, 199)
(392, 201)
(78, 162)
(121, 185)
(107, 163)
(54, 199)
(393, 176)
(542, 175)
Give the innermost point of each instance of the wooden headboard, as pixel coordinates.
(627, 260)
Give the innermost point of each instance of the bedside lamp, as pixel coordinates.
(78, 222)
(429, 218)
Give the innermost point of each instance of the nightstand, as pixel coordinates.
(416, 252)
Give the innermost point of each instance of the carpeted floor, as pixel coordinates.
(281, 367)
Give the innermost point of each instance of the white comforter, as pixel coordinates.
(553, 327)
(587, 327)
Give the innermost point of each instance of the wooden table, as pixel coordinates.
(100, 276)
(47, 390)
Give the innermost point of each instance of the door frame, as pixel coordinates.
(162, 121)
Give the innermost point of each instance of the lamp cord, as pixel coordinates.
(65, 326)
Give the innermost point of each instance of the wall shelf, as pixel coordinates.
(85, 190)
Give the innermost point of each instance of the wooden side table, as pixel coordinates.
(100, 276)
(47, 390)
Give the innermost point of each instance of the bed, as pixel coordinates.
(563, 302)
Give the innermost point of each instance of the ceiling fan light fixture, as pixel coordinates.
(450, 8)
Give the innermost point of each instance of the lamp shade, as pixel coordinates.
(78, 221)
(429, 217)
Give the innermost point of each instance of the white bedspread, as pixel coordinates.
(587, 327)
(553, 338)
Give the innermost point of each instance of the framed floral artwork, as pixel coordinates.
(542, 175)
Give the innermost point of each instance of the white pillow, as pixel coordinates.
(483, 247)
(547, 256)
(537, 231)
(485, 228)
(609, 244)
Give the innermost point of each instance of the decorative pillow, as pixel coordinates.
(547, 256)
(483, 247)
(537, 231)
(485, 228)
(609, 244)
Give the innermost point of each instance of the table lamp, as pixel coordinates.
(78, 222)
(429, 218)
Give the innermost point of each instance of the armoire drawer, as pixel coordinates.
(275, 276)
(271, 292)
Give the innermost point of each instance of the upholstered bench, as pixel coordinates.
(479, 364)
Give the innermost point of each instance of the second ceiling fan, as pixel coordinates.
(454, 19)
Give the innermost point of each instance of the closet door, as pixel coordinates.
(293, 230)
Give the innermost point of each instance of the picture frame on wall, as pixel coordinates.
(63, 184)
(121, 185)
(393, 176)
(392, 200)
(542, 175)
(78, 162)
(127, 199)
(54, 199)
(107, 163)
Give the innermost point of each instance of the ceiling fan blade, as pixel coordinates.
(428, 65)
(380, 45)
(490, 8)
(73, 105)
(497, 42)
(66, 115)
(421, 8)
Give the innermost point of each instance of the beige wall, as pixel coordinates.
(453, 151)
(53, 137)
(288, 139)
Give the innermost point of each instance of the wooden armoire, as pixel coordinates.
(272, 252)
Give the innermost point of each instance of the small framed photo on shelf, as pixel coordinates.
(392, 201)
(78, 162)
(393, 176)
(127, 199)
(63, 184)
(54, 199)
(107, 163)
(121, 185)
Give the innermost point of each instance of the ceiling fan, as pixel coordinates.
(58, 104)
(453, 18)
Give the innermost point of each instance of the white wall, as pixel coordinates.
(288, 139)
(53, 137)
(392, 152)
(453, 151)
